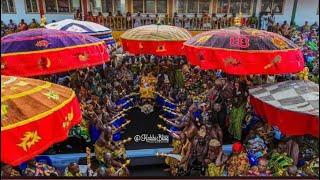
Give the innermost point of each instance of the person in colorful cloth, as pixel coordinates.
(199, 150)
(279, 163)
(238, 164)
(35, 168)
(8, 171)
(238, 112)
(72, 170)
(115, 168)
(215, 159)
(261, 169)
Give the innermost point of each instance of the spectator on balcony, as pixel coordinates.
(284, 29)
(110, 20)
(12, 27)
(276, 28)
(271, 21)
(205, 21)
(306, 27)
(224, 21)
(78, 15)
(186, 22)
(119, 20)
(90, 17)
(157, 19)
(147, 20)
(34, 24)
(177, 20)
(195, 21)
(166, 20)
(100, 19)
(264, 21)
(214, 21)
(137, 20)
(22, 26)
(129, 20)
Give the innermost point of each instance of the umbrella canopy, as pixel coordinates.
(162, 40)
(244, 51)
(293, 106)
(45, 51)
(34, 115)
(85, 27)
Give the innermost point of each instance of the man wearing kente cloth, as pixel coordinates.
(147, 86)
(177, 143)
(115, 168)
(199, 150)
(72, 170)
(238, 164)
(104, 145)
(215, 159)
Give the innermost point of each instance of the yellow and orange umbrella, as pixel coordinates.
(34, 115)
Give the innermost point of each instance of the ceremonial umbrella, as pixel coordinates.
(162, 40)
(292, 106)
(45, 51)
(34, 115)
(244, 51)
(85, 27)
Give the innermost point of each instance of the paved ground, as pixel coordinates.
(148, 170)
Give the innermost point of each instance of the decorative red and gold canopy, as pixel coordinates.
(244, 51)
(34, 115)
(162, 40)
(46, 51)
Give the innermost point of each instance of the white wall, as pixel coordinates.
(307, 11)
(287, 11)
(20, 14)
(58, 16)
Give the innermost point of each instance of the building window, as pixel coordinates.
(108, 6)
(150, 6)
(234, 6)
(31, 6)
(7, 6)
(193, 6)
(223, 6)
(63, 6)
(274, 6)
(162, 6)
(75, 5)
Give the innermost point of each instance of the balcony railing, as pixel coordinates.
(193, 24)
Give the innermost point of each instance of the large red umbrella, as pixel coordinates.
(293, 106)
(45, 51)
(34, 115)
(244, 51)
(162, 40)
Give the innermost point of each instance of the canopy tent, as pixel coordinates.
(292, 106)
(34, 115)
(85, 27)
(45, 51)
(162, 40)
(244, 51)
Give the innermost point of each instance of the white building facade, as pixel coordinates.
(297, 11)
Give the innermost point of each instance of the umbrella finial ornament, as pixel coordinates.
(237, 20)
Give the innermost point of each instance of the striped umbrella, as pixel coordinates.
(155, 39)
(85, 27)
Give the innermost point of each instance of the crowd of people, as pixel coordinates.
(211, 108)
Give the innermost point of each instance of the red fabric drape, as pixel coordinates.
(290, 123)
(42, 134)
